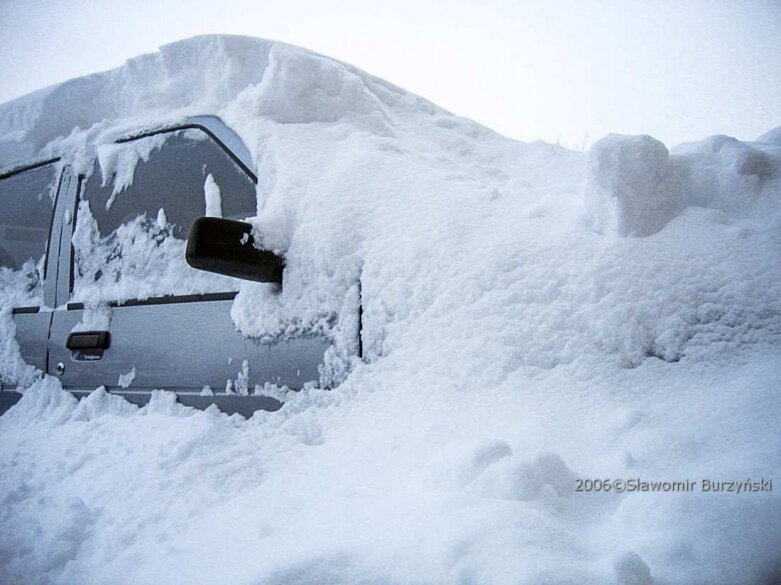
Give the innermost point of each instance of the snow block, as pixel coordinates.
(630, 189)
(300, 87)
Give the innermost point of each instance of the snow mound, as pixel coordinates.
(512, 347)
(724, 173)
(771, 137)
(544, 476)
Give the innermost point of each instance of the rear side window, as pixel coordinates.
(26, 206)
(136, 209)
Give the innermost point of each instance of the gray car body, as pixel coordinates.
(177, 343)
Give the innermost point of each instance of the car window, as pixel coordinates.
(136, 209)
(26, 206)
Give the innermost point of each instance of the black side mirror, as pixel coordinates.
(226, 246)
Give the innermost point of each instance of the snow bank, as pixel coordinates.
(512, 346)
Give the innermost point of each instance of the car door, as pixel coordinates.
(137, 316)
(29, 243)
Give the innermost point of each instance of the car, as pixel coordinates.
(126, 266)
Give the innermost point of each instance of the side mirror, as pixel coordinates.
(226, 246)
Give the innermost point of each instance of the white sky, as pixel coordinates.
(676, 69)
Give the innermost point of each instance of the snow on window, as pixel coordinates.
(140, 259)
(213, 197)
(125, 380)
(118, 161)
(13, 369)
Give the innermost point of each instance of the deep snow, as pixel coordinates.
(533, 315)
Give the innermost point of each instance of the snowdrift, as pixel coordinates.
(534, 316)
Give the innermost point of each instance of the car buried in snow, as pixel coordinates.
(124, 276)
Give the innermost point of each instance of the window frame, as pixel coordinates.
(59, 174)
(164, 299)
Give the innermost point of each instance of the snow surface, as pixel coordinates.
(532, 316)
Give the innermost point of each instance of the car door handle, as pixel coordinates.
(88, 345)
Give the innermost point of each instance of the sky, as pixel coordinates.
(557, 70)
